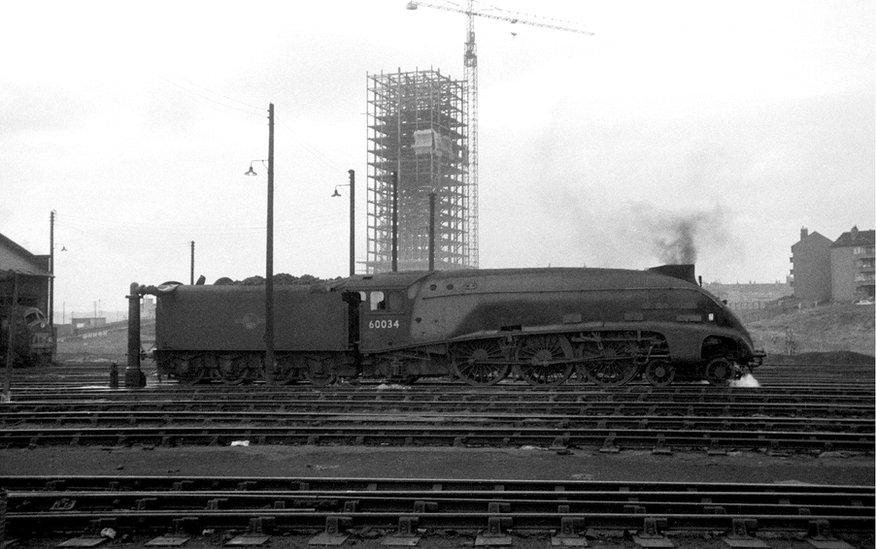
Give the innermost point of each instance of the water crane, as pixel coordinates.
(470, 62)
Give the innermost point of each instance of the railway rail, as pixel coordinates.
(798, 391)
(682, 417)
(405, 510)
(854, 408)
(87, 373)
(400, 433)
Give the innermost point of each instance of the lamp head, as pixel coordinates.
(250, 171)
(336, 193)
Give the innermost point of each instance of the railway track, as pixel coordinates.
(405, 433)
(17, 412)
(455, 388)
(682, 417)
(333, 510)
(779, 417)
(92, 373)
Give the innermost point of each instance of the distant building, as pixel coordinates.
(810, 271)
(33, 276)
(85, 323)
(754, 295)
(418, 128)
(851, 265)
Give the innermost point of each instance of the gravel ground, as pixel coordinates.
(362, 461)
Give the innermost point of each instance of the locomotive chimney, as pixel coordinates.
(685, 271)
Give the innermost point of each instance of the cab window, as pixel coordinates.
(395, 301)
(377, 301)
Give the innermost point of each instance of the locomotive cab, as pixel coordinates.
(384, 309)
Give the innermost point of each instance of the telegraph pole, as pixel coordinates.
(431, 230)
(352, 222)
(394, 222)
(269, 257)
(52, 281)
(10, 340)
(192, 263)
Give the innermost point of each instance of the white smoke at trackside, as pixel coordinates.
(747, 380)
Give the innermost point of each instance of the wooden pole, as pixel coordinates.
(10, 340)
(394, 222)
(432, 231)
(52, 274)
(269, 256)
(352, 222)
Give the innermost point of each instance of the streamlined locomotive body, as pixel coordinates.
(542, 325)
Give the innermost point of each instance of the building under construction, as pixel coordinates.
(417, 127)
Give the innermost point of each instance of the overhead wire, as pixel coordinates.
(225, 104)
(256, 108)
(246, 108)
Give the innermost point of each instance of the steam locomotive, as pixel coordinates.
(32, 337)
(609, 326)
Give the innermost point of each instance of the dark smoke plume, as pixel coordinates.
(676, 238)
(679, 246)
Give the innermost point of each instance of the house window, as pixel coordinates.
(858, 250)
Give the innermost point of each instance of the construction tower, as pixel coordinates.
(417, 128)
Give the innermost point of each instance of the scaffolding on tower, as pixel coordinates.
(417, 127)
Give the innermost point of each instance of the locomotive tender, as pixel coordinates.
(542, 325)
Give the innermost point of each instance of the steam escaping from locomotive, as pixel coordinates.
(747, 381)
(679, 246)
(677, 238)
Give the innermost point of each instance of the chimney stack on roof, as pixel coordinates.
(854, 232)
(804, 232)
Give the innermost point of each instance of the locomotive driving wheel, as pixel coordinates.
(719, 371)
(287, 370)
(187, 370)
(543, 359)
(659, 372)
(230, 368)
(318, 370)
(480, 362)
(612, 366)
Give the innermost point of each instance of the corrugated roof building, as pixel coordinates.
(33, 279)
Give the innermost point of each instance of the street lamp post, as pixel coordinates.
(431, 230)
(394, 222)
(352, 185)
(269, 253)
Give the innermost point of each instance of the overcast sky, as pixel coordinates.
(136, 121)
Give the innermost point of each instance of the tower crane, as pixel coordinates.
(470, 62)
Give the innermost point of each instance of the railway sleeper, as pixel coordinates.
(570, 532)
(650, 535)
(334, 533)
(742, 534)
(495, 533)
